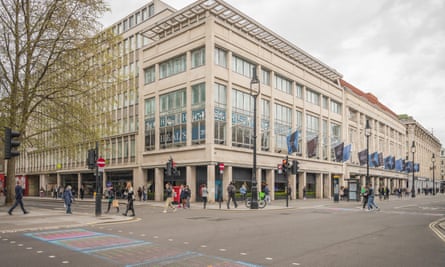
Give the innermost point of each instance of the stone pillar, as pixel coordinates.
(319, 186)
(211, 182)
(302, 182)
(191, 181)
(270, 180)
(159, 184)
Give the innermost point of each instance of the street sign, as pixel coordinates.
(221, 167)
(101, 164)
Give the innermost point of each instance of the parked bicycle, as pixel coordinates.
(261, 202)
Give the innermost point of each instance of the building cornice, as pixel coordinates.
(198, 11)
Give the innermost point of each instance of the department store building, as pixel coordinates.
(189, 97)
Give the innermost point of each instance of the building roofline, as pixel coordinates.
(244, 23)
(369, 97)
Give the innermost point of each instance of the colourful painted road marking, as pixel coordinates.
(130, 252)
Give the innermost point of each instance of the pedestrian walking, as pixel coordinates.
(364, 193)
(188, 195)
(289, 191)
(243, 191)
(144, 193)
(68, 198)
(18, 199)
(204, 194)
(82, 192)
(267, 193)
(371, 193)
(112, 201)
(231, 190)
(304, 193)
(140, 193)
(169, 198)
(130, 199)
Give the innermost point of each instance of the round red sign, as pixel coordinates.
(100, 162)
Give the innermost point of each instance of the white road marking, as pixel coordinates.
(243, 253)
(51, 256)
(268, 258)
(203, 246)
(65, 262)
(222, 249)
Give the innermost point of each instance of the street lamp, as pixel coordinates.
(367, 134)
(254, 82)
(433, 160)
(413, 189)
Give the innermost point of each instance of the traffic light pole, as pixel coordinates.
(98, 184)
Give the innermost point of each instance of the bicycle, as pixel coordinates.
(262, 203)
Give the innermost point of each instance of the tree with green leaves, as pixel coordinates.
(55, 62)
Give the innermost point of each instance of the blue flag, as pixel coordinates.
(347, 152)
(292, 142)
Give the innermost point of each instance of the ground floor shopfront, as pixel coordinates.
(306, 184)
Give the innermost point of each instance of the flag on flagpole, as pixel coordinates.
(347, 152)
(292, 142)
(339, 152)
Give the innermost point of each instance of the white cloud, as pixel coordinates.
(394, 49)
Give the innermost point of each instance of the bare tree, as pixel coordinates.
(54, 64)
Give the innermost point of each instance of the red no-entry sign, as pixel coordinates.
(100, 162)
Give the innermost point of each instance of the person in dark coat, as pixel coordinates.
(68, 198)
(18, 199)
(130, 198)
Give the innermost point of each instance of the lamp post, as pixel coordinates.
(433, 160)
(254, 82)
(413, 189)
(367, 134)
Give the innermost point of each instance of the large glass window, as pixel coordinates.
(298, 90)
(220, 57)
(242, 119)
(312, 97)
(149, 75)
(198, 113)
(172, 66)
(149, 114)
(283, 123)
(265, 125)
(242, 66)
(283, 84)
(312, 130)
(335, 107)
(173, 119)
(198, 57)
(265, 77)
(220, 98)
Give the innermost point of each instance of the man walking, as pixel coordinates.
(18, 199)
(231, 190)
(371, 194)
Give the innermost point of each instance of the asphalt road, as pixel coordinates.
(308, 233)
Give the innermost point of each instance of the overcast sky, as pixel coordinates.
(394, 49)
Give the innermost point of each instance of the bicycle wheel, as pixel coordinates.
(248, 201)
(262, 204)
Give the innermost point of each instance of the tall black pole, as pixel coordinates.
(254, 203)
(413, 189)
(434, 181)
(367, 160)
(367, 134)
(98, 184)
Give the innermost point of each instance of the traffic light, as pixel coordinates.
(295, 166)
(285, 164)
(91, 159)
(10, 143)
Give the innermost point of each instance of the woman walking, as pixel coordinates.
(130, 198)
(111, 198)
(204, 194)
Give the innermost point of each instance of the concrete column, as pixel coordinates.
(159, 184)
(226, 179)
(138, 177)
(302, 182)
(270, 180)
(211, 183)
(191, 181)
(326, 185)
(319, 186)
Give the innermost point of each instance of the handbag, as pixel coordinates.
(115, 203)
